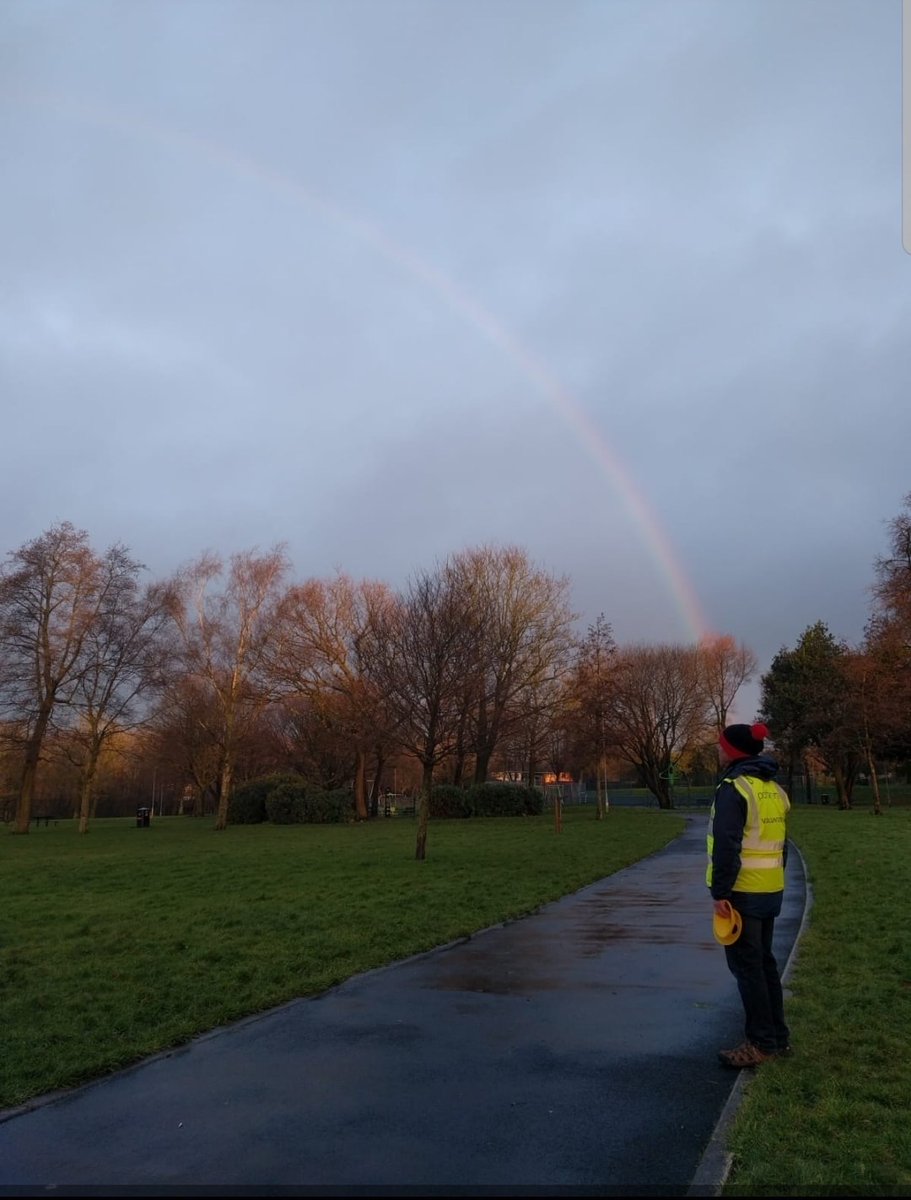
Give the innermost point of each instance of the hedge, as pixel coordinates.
(289, 800)
(491, 799)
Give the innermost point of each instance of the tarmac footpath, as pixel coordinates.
(572, 1052)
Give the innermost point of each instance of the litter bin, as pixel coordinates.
(142, 818)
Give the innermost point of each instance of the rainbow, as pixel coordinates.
(589, 436)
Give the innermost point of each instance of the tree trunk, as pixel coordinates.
(850, 777)
(360, 786)
(657, 784)
(482, 764)
(420, 850)
(874, 779)
(460, 749)
(85, 792)
(224, 794)
(602, 789)
(30, 770)
(374, 803)
(483, 744)
(844, 798)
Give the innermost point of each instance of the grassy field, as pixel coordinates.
(834, 1118)
(128, 941)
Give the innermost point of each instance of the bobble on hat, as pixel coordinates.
(743, 741)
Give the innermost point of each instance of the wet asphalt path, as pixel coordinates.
(570, 1052)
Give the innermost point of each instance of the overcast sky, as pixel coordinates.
(620, 282)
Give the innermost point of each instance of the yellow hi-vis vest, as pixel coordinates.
(764, 835)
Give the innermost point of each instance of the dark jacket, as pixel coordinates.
(727, 829)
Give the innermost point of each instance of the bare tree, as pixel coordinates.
(225, 639)
(53, 591)
(872, 701)
(179, 735)
(724, 667)
(888, 641)
(657, 711)
(310, 734)
(524, 624)
(537, 731)
(122, 658)
(887, 687)
(590, 697)
(322, 659)
(892, 591)
(419, 651)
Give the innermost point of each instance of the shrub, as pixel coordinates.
(296, 802)
(285, 802)
(449, 800)
(495, 799)
(486, 800)
(247, 805)
(288, 799)
(534, 801)
(328, 807)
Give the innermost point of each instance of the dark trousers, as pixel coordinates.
(752, 963)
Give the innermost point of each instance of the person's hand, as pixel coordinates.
(722, 907)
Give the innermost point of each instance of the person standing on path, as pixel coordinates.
(747, 852)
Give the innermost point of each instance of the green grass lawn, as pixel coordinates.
(834, 1118)
(125, 942)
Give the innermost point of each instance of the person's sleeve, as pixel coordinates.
(727, 831)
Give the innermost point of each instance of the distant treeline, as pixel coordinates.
(170, 693)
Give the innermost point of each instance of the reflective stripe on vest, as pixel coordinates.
(764, 835)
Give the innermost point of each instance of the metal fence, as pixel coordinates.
(682, 797)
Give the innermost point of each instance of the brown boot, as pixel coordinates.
(745, 1055)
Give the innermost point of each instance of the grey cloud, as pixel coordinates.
(288, 272)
